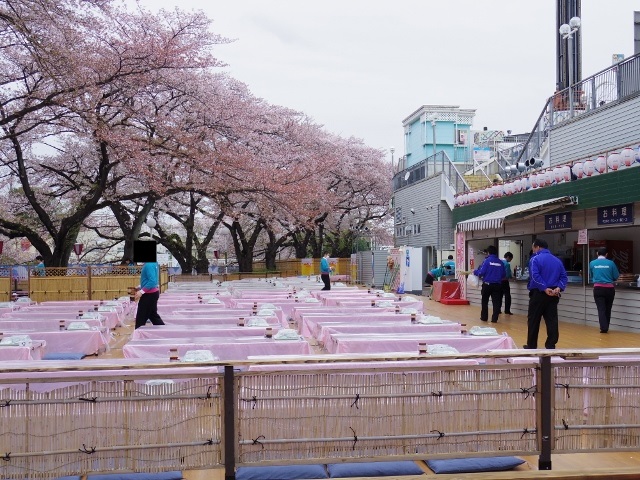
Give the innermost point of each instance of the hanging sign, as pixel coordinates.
(615, 214)
(557, 221)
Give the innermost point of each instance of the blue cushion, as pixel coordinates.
(373, 469)
(471, 465)
(284, 472)
(138, 476)
(63, 356)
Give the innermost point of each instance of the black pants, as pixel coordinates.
(493, 291)
(148, 309)
(429, 280)
(506, 293)
(327, 281)
(542, 305)
(603, 297)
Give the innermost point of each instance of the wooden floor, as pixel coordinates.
(590, 466)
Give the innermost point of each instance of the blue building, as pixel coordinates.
(435, 128)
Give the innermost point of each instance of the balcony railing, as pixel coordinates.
(438, 163)
(611, 85)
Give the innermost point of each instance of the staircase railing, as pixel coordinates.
(437, 163)
(610, 85)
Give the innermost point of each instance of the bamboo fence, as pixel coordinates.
(70, 425)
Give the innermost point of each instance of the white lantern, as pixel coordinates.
(544, 179)
(614, 161)
(508, 189)
(151, 223)
(600, 164)
(627, 156)
(577, 169)
(566, 173)
(588, 168)
(498, 191)
(534, 180)
(486, 193)
(551, 178)
(557, 174)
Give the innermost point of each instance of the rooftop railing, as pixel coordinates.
(611, 85)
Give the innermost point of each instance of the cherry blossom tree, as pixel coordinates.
(70, 73)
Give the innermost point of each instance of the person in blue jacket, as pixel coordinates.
(433, 275)
(325, 271)
(449, 266)
(603, 273)
(492, 273)
(506, 286)
(547, 279)
(148, 294)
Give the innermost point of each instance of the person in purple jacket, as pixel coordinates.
(492, 273)
(547, 278)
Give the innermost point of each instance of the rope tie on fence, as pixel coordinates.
(355, 402)
(440, 434)
(355, 439)
(92, 399)
(208, 394)
(5, 404)
(86, 450)
(565, 424)
(525, 431)
(253, 399)
(256, 441)
(437, 394)
(209, 442)
(7, 456)
(529, 392)
(566, 388)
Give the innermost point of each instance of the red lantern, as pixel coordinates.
(25, 244)
(1, 246)
(77, 248)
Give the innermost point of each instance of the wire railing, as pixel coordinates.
(598, 91)
(438, 163)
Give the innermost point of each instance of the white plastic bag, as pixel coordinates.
(473, 281)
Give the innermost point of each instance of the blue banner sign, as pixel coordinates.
(557, 221)
(615, 214)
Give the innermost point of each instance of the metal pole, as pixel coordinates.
(546, 414)
(229, 424)
(570, 42)
(433, 125)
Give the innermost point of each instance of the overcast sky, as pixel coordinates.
(359, 67)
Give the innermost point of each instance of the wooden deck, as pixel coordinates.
(591, 466)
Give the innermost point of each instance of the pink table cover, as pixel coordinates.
(464, 344)
(215, 321)
(189, 331)
(418, 306)
(111, 318)
(223, 348)
(88, 342)
(296, 312)
(404, 364)
(6, 378)
(325, 329)
(45, 325)
(15, 353)
(308, 321)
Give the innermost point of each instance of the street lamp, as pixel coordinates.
(567, 31)
(392, 150)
